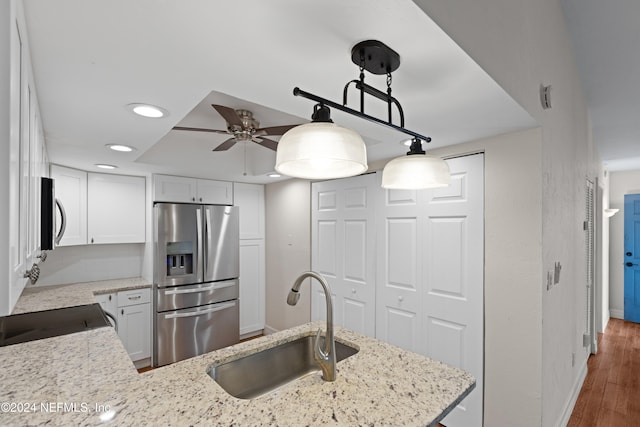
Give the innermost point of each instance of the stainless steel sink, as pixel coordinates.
(259, 373)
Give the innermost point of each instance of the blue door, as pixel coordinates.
(632, 257)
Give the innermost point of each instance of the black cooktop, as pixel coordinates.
(19, 328)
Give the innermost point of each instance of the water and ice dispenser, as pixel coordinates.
(179, 258)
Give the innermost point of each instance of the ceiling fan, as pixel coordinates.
(243, 127)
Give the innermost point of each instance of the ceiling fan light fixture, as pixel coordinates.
(321, 150)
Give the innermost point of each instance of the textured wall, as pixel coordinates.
(288, 251)
(523, 44)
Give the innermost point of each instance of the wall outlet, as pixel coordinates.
(573, 360)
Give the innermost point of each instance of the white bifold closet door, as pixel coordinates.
(407, 267)
(343, 250)
(430, 275)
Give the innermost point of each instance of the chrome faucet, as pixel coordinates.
(326, 357)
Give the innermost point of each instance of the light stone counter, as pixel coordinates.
(380, 385)
(37, 298)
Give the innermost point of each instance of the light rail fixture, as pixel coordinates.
(323, 150)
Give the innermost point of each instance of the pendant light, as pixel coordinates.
(416, 170)
(321, 149)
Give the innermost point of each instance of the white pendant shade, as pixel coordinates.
(321, 150)
(415, 172)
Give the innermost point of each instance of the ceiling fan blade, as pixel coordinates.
(267, 143)
(229, 114)
(199, 129)
(225, 145)
(274, 130)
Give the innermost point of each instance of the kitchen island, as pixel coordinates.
(86, 378)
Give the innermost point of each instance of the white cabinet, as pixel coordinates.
(134, 324)
(115, 209)
(167, 188)
(100, 208)
(252, 287)
(250, 199)
(132, 310)
(71, 191)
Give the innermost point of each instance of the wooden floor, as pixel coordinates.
(610, 395)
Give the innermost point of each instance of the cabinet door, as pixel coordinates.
(134, 329)
(252, 284)
(250, 199)
(168, 188)
(71, 191)
(214, 192)
(116, 209)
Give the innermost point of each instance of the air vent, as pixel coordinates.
(545, 96)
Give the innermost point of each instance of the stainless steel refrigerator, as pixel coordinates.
(196, 271)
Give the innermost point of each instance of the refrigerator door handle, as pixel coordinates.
(201, 256)
(198, 290)
(200, 312)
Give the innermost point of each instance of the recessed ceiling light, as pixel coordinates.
(274, 175)
(147, 110)
(104, 166)
(120, 147)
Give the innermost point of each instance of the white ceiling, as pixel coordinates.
(606, 37)
(91, 58)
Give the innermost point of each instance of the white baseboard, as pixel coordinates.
(268, 330)
(617, 313)
(575, 392)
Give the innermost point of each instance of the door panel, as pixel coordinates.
(326, 242)
(401, 268)
(632, 257)
(446, 340)
(400, 328)
(355, 250)
(445, 256)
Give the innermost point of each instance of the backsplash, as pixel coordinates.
(88, 263)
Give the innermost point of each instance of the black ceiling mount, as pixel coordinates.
(375, 57)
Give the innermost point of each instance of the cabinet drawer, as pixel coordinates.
(134, 296)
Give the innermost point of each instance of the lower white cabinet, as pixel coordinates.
(252, 287)
(132, 310)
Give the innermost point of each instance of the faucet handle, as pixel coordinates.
(318, 350)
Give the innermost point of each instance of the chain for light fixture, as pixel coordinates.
(377, 58)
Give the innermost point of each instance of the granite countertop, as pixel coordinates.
(37, 298)
(88, 379)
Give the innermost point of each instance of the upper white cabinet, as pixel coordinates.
(71, 191)
(100, 208)
(115, 209)
(167, 188)
(250, 199)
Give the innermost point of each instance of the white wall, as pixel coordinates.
(620, 183)
(513, 277)
(5, 112)
(603, 262)
(523, 44)
(88, 263)
(288, 251)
